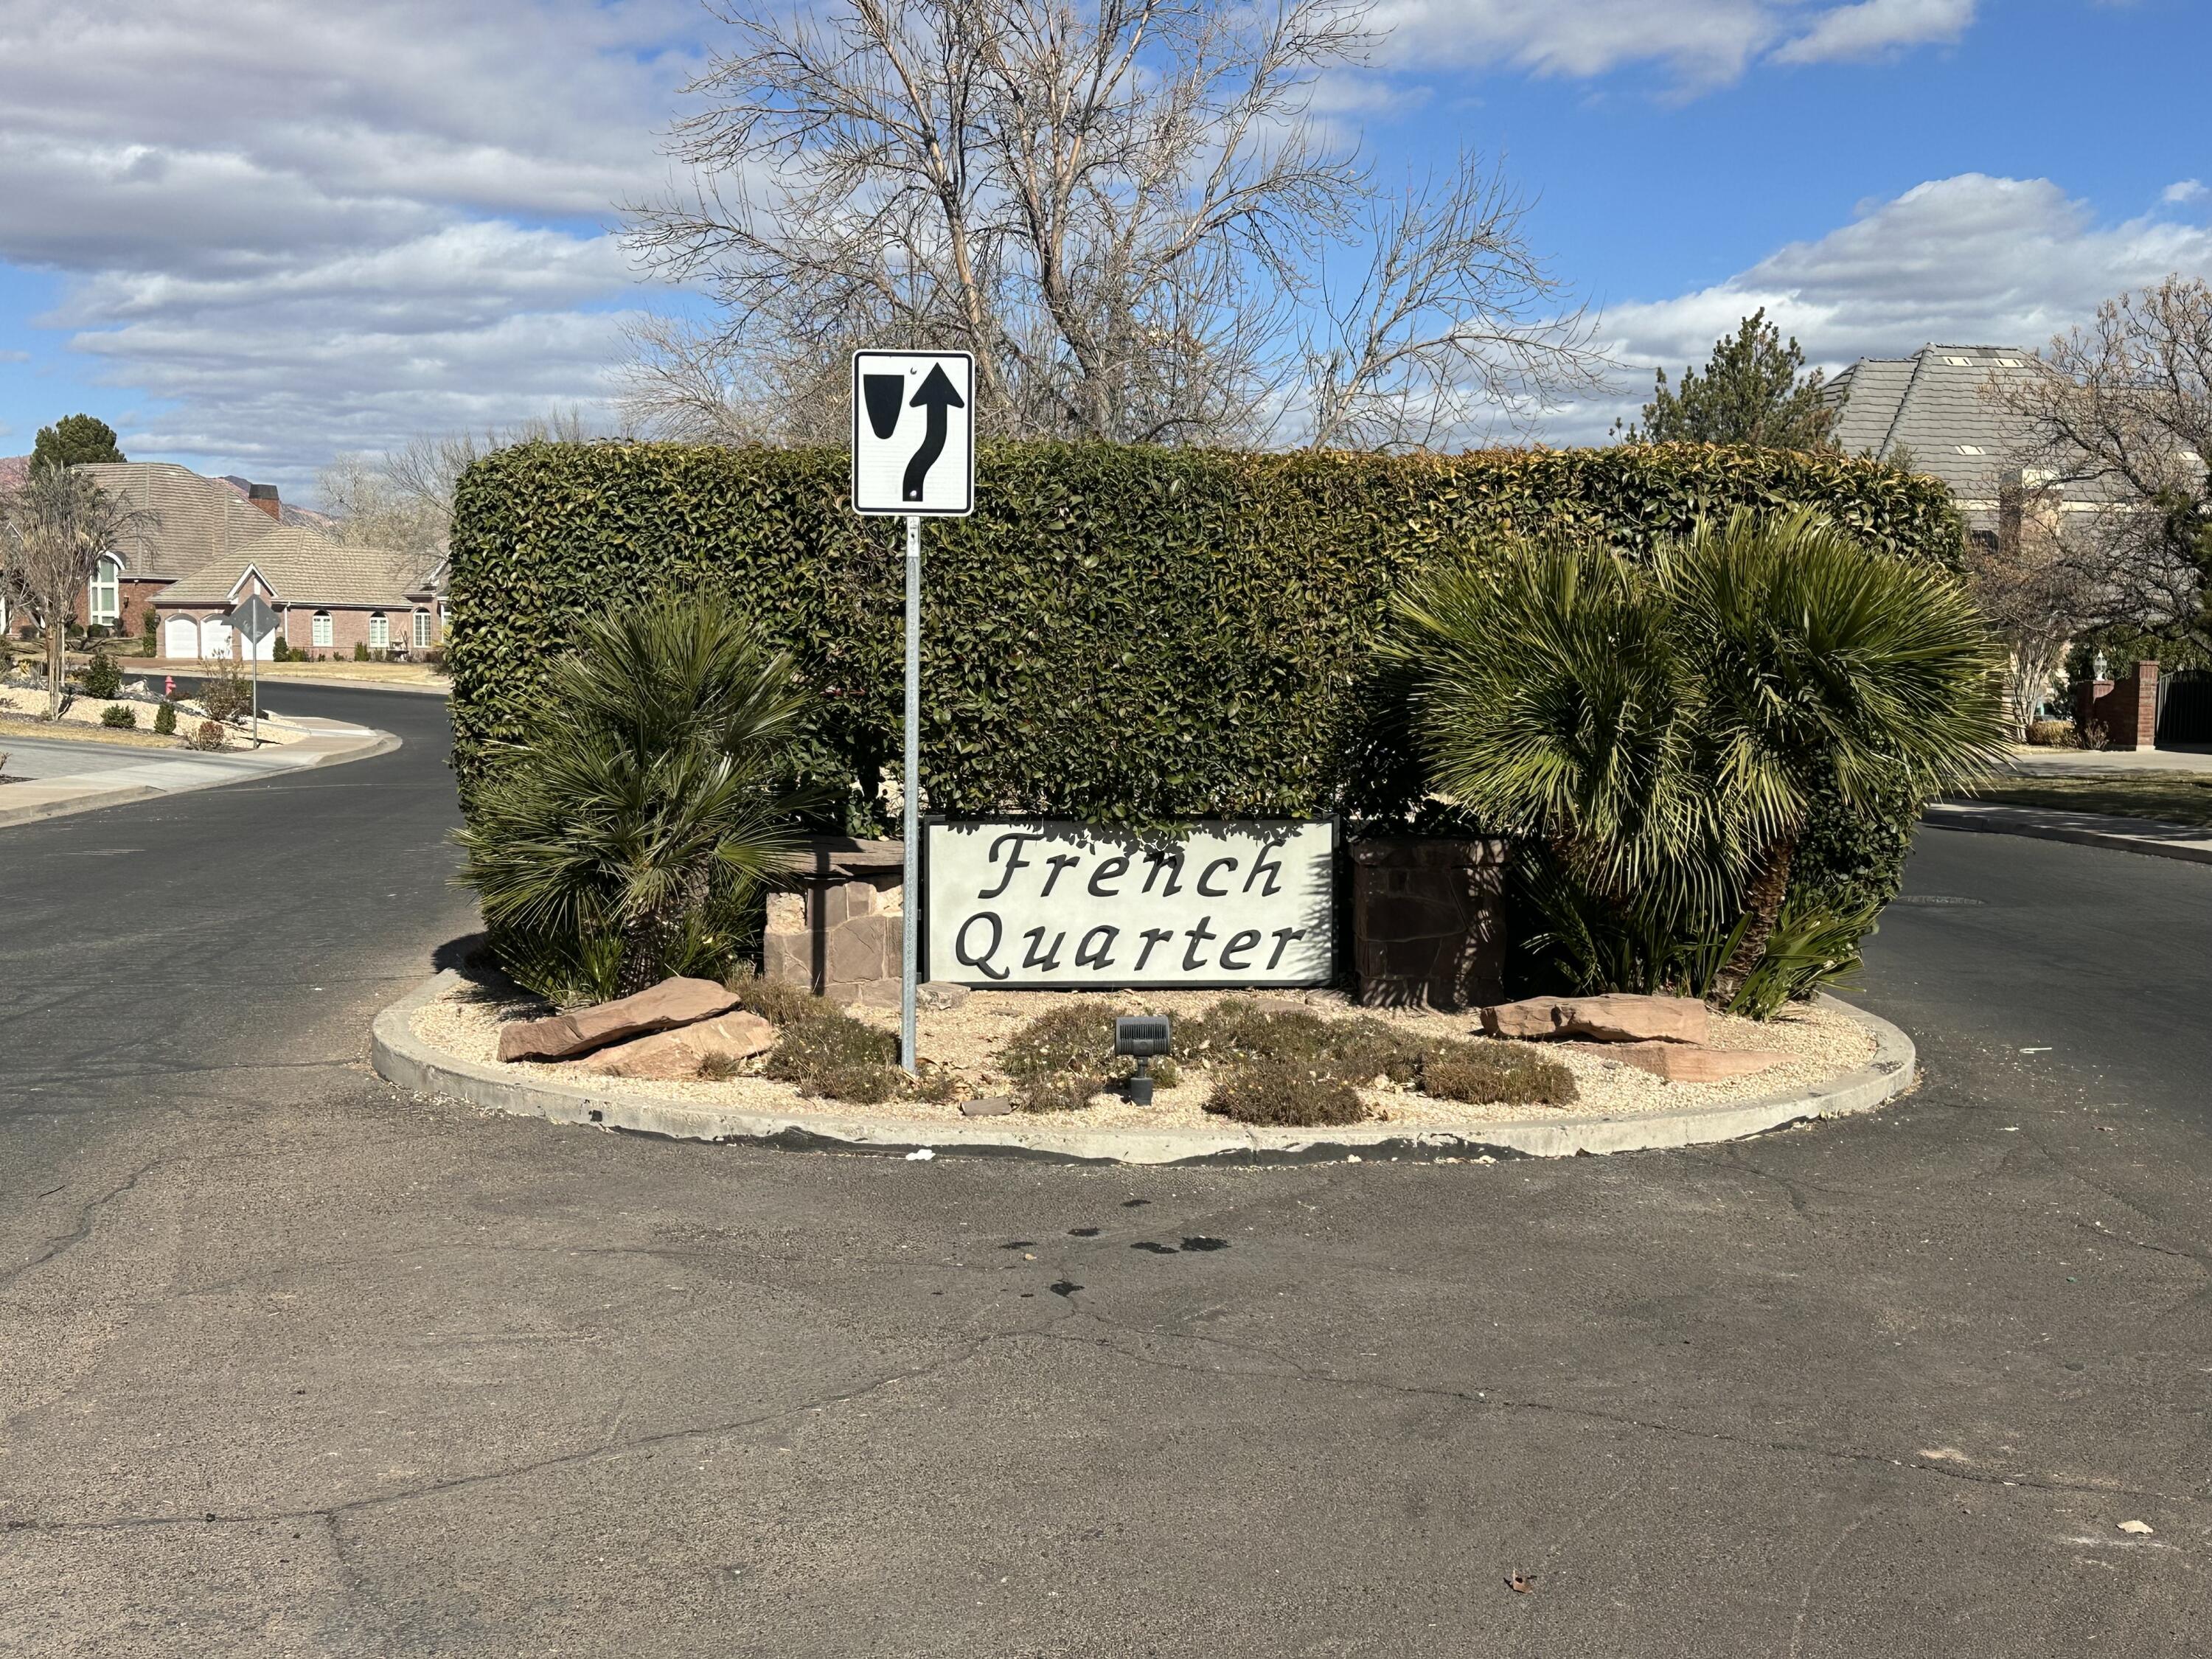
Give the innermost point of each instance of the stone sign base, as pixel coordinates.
(1428, 922)
(837, 933)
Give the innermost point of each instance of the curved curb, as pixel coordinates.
(401, 1057)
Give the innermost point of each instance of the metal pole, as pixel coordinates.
(254, 646)
(911, 903)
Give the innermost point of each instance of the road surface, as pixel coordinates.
(292, 1364)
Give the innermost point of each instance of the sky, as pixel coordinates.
(252, 235)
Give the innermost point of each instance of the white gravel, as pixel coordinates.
(1821, 1044)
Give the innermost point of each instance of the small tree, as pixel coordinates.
(74, 440)
(1755, 392)
(53, 529)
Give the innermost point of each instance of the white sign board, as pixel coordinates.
(1067, 906)
(914, 433)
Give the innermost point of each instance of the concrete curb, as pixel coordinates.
(2186, 842)
(95, 800)
(401, 1057)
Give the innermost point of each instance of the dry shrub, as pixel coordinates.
(1496, 1073)
(1288, 1093)
(207, 735)
(831, 1054)
(1062, 1058)
(721, 1068)
(772, 999)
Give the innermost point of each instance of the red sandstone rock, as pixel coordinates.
(672, 1002)
(1688, 1063)
(669, 1055)
(1616, 1019)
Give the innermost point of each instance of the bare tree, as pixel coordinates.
(403, 500)
(1120, 207)
(2118, 415)
(54, 528)
(1455, 317)
(2036, 591)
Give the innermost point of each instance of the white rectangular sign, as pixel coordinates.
(914, 433)
(1067, 906)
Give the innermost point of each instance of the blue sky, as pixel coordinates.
(253, 234)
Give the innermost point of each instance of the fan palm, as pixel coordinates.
(1822, 665)
(1664, 733)
(623, 840)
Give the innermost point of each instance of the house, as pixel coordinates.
(1933, 410)
(202, 536)
(328, 598)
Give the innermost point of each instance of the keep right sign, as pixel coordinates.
(914, 433)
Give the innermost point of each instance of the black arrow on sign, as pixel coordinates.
(937, 395)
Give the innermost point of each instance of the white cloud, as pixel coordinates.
(1872, 28)
(1701, 42)
(310, 227)
(2188, 189)
(1970, 260)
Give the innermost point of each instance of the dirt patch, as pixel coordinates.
(1822, 1045)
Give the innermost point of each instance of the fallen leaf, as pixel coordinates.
(1521, 1586)
(2135, 1527)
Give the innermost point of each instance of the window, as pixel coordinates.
(379, 631)
(2008, 362)
(106, 589)
(1972, 449)
(1959, 362)
(421, 630)
(320, 633)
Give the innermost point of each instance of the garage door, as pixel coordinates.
(180, 637)
(215, 639)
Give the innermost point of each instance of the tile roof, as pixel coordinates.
(304, 567)
(196, 520)
(1933, 404)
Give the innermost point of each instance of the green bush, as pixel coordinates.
(1503, 1074)
(361, 651)
(120, 715)
(1133, 634)
(101, 677)
(165, 721)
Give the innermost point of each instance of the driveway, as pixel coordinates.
(292, 1364)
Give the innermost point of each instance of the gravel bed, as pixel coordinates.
(86, 711)
(1822, 1045)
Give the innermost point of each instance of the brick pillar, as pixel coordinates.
(2141, 720)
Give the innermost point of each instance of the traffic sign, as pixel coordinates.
(253, 619)
(914, 433)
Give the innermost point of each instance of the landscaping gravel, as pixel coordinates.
(1821, 1044)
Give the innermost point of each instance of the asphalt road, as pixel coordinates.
(293, 1364)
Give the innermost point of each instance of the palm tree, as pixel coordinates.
(1822, 665)
(1549, 701)
(623, 840)
(1663, 731)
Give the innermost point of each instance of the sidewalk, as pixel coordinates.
(2189, 842)
(2110, 761)
(67, 777)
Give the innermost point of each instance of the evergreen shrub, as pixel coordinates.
(1126, 634)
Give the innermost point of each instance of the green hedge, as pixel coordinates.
(1131, 635)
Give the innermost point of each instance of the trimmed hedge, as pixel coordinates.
(1119, 634)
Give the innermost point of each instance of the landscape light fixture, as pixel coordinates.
(1141, 1036)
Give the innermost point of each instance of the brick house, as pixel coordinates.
(328, 598)
(194, 521)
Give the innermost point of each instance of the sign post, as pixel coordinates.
(253, 622)
(913, 467)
